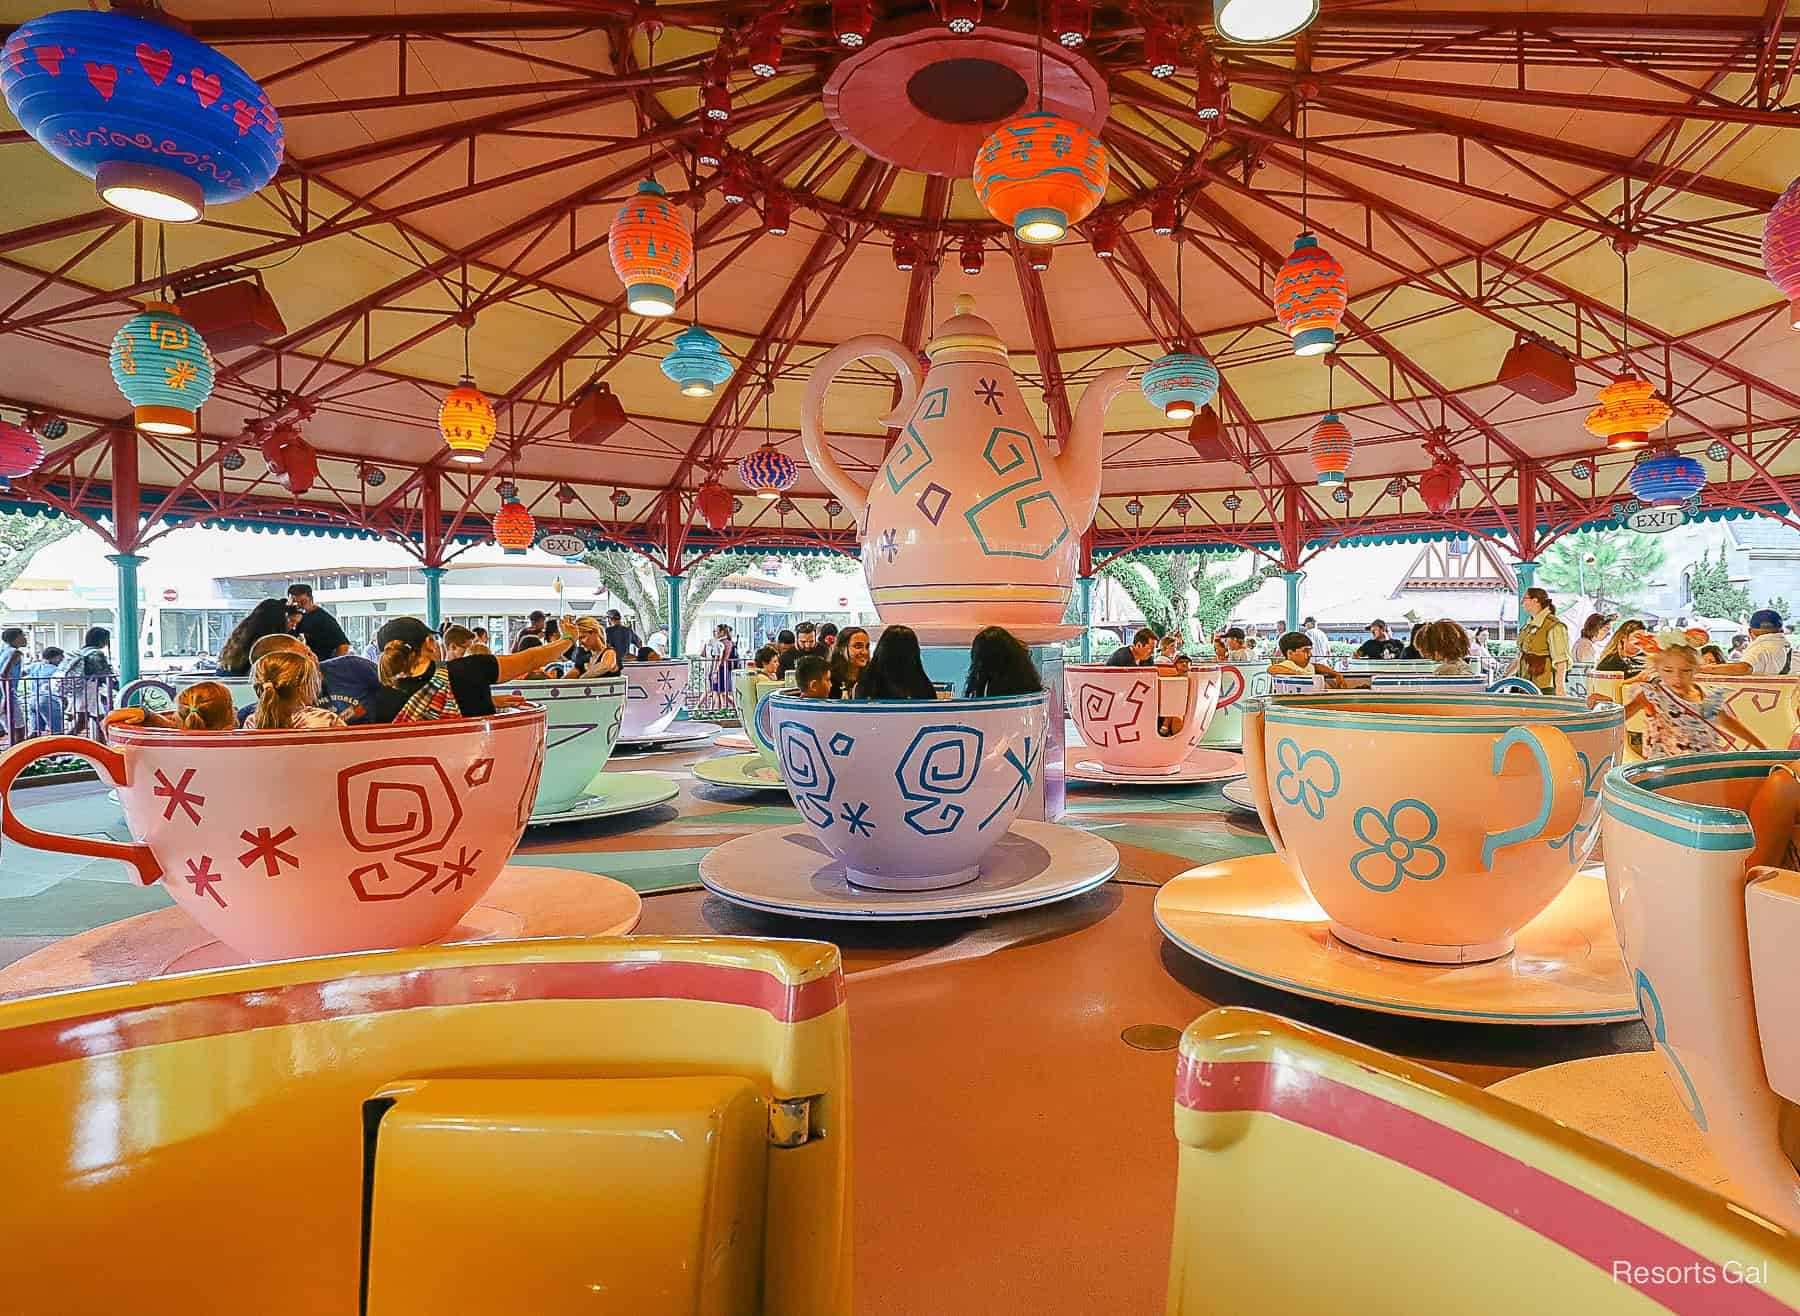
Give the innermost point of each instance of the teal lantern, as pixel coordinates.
(1181, 383)
(162, 366)
(697, 363)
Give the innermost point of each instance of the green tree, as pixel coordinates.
(1779, 603)
(1609, 566)
(1177, 591)
(632, 577)
(1709, 586)
(21, 537)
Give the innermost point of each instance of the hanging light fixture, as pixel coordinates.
(1341, 493)
(1252, 22)
(1212, 93)
(736, 184)
(163, 124)
(777, 210)
(46, 425)
(1182, 505)
(1310, 297)
(232, 460)
(713, 502)
(1716, 451)
(1180, 383)
(1781, 249)
(767, 472)
(715, 101)
(1164, 214)
(1070, 22)
(620, 498)
(851, 21)
(1666, 477)
(1331, 448)
(466, 418)
(960, 16)
(971, 255)
(765, 47)
(1440, 486)
(1103, 237)
(833, 507)
(374, 476)
(1134, 509)
(1582, 470)
(697, 363)
(652, 251)
(162, 366)
(710, 154)
(1206, 436)
(1627, 410)
(514, 527)
(20, 452)
(1162, 49)
(1038, 258)
(906, 252)
(1039, 173)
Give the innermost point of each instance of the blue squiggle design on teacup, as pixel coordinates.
(942, 760)
(1659, 1033)
(807, 771)
(1020, 787)
(1294, 782)
(1580, 837)
(1399, 844)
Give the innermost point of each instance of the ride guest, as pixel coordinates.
(784, 648)
(849, 656)
(481, 637)
(1232, 645)
(90, 667)
(316, 626)
(1381, 645)
(768, 662)
(202, 706)
(1543, 644)
(1592, 641)
(620, 638)
(896, 669)
(828, 635)
(267, 618)
(347, 685)
(1711, 655)
(1447, 644)
(43, 695)
(1680, 716)
(12, 680)
(288, 684)
(1621, 656)
(1316, 633)
(812, 677)
(999, 665)
(1139, 653)
(593, 656)
(721, 660)
(1169, 724)
(1768, 654)
(1297, 659)
(1166, 649)
(419, 685)
(457, 640)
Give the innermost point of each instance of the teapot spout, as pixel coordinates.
(1079, 464)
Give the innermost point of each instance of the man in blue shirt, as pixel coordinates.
(348, 686)
(620, 638)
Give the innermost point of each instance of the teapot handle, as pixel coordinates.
(812, 408)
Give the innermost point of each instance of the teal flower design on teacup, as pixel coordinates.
(1307, 779)
(1399, 844)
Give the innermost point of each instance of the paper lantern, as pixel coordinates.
(1040, 173)
(162, 123)
(20, 451)
(1781, 249)
(714, 504)
(162, 366)
(697, 363)
(1331, 448)
(1180, 383)
(768, 473)
(1311, 297)
(1667, 477)
(1628, 410)
(466, 420)
(514, 527)
(652, 251)
(1440, 485)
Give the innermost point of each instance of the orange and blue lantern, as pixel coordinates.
(164, 124)
(514, 527)
(652, 251)
(1311, 297)
(1040, 173)
(162, 366)
(1666, 478)
(1180, 383)
(1331, 449)
(768, 473)
(1781, 249)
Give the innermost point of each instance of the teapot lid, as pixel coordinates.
(965, 334)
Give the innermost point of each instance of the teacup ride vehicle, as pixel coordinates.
(1237, 682)
(760, 769)
(1768, 705)
(1126, 717)
(279, 844)
(1709, 942)
(648, 1124)
(1521, 1213)
(655, 694)
(1431, 859)
(911, 809)
(583, 717)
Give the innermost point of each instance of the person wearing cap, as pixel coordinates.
(1380, 644)
(1321, 642)
(419, 685)
(1769, 653)
(623, 640)
(1592, 641)
(1233, 645)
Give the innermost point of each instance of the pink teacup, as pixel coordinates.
(293, 843)
(1120, 711)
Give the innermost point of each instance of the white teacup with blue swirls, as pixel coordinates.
(653, 695)
(583, 716)
(910, 795)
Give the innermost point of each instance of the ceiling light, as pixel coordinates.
(1249, 22)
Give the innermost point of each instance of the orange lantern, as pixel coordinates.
(652, 251)
(1331, 449)
(1628, 410)
(514, 527)
(466, 420)
(1040, 173)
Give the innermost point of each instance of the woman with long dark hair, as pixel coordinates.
(1000, 664)
(270, 617)
(849, 659)
(896, 670)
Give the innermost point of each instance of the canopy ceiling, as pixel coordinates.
(1476, 170)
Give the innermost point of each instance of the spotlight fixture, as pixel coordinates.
(1103, 237)
(711, 152)
(735, 183)
(776, 212)
(717, 102)
(1039, 257)
(1164, 218)
(906, 253)
(1212, 93)
(1249, 22)
(960, 16)
(765, 47)
(971, 256)
(1071, 20)
(850, 22)
(1162, 49)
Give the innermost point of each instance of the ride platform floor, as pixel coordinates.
(1013, 1151)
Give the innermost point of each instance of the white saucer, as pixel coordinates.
(744, 772)
(618, 792)
(1238, 793)
(678, 735)
(787, 871)
(733, 740)
(1202, 765)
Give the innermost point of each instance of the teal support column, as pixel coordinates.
(434, 596)
(1527, 572)
(1087, 617)
(675, 622)
(1290, 584)
(129, 642)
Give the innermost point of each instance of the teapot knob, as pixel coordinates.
(964, 304)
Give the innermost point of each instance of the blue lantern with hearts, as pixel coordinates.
(1180, 383)
(1666, 478)
(162, 123)
(162, 366)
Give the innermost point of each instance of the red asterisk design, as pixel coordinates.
(204, 880)
(178, 795)
(266, 847)
(459, 872)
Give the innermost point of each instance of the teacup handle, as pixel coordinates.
(112, 767)
(1558, 769)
